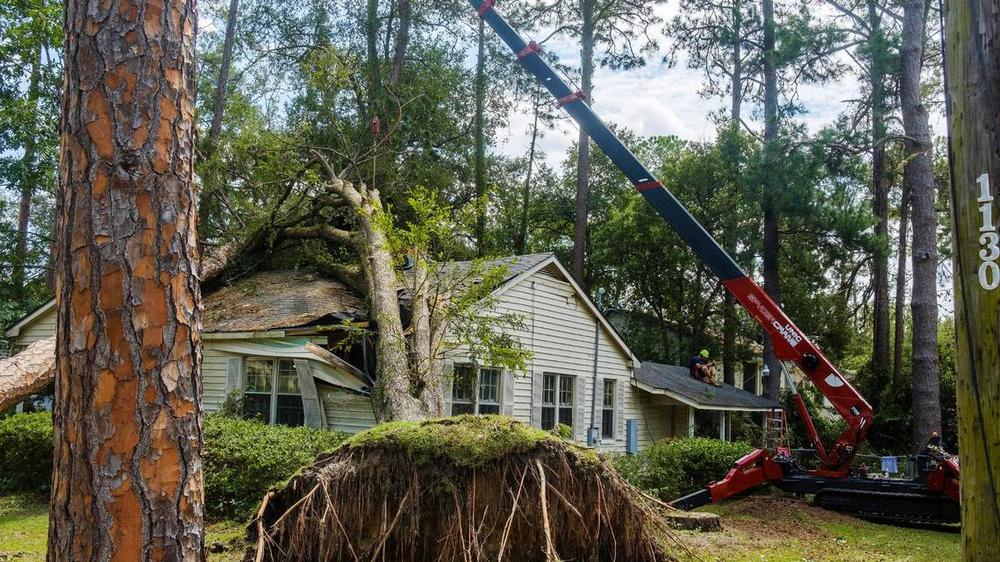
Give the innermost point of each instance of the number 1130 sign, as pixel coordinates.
(989, 271)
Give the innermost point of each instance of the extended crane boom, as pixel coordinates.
(789, 342)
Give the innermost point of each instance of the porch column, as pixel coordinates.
(690, 421)
(722, 425)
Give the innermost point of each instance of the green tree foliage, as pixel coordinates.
(673, 297)
(30, 77)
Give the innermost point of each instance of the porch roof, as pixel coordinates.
(677, 383)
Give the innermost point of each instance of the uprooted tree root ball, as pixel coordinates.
(458, 489)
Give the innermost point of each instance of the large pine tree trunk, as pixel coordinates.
(127, 475)
(919, 177)
(219, 103)
(771, 238)
(729, 323)
(880, 193)
(972, 71)
(583, 157)
(480, 140)
(899, 333)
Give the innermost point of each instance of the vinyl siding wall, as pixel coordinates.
(41, 327)
(345, 411)
(559, 331)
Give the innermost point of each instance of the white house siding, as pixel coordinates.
(559, 331)
(214, 367)
(41, 327)
(658, 416)
(345, 411)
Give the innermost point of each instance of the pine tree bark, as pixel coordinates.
(480, 140)
(972, 79)
(127, 475)
(729, 322)
(27, 373)
(222, 86)
(29, 181)
(587, 28)
(918, 175)
(880, 193)
(771, 236)
(736, 84)
(899, 332)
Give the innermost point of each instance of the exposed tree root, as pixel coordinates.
(382, 501)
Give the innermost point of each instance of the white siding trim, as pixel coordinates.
(579, 293)
(15, 330)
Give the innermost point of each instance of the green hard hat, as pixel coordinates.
(704, 353)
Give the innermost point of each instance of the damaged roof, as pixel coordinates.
(273, 300)
(677, 383)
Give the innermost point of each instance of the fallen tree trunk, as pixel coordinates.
(27, 373)
(30, 371)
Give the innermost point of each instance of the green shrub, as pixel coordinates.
(674, 467)
(26, 452)
(245, 458)
(242, 459)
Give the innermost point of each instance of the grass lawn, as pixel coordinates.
(755, 529)
(24, 527)
(773, 529)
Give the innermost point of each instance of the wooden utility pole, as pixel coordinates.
(127, 477)
(972, 77)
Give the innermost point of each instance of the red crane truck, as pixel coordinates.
(931, 495)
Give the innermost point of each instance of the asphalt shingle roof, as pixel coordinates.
(515, 265)
(677, 381)
(273, 300)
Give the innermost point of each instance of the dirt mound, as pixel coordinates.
(457, 489)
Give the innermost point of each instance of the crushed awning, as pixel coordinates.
(327, 367)
(677, 383)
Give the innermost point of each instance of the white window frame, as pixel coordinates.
(276, 366)
(608, 431)
(476, 398)
(556, 404)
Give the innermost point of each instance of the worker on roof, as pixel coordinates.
(703, 368)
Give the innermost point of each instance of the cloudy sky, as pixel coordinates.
(662, 100)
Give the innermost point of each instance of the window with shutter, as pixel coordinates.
(558, 392)
(476, 391)
(271, 391)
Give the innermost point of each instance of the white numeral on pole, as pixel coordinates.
(989, 270)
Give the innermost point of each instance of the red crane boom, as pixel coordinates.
(931, 497)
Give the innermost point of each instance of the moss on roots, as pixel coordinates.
(466, 441)
(457, 489)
